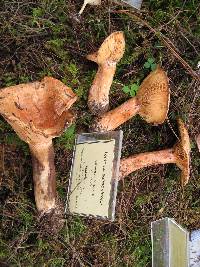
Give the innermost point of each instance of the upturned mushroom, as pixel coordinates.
(109, 53)
(151, 103)
(178, 154)
(38, 112)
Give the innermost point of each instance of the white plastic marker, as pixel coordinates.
(90, 2)
(170, 244)
(134, 3)
(195, 248)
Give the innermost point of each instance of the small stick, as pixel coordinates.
(165, 40)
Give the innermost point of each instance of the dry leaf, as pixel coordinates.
(90, 2)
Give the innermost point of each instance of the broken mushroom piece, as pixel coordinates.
(110, 52)
(151, 103)
(91, 2)
(179, 154)
(38, 112)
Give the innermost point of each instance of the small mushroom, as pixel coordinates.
(179, 154)
(151, 102)
(110, 52)
(38, 112)
(90, 2)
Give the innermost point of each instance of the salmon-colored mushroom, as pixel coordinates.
(109, 53)
(179, 154)
(38, 112)
(151, 103)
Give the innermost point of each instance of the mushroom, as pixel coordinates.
(91, 2)
(151, 102)
(178, 154)
(109, 53)
(38, 112)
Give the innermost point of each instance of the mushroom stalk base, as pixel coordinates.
(44, 176)
(139, 161)
(114, 118)
(98, 99)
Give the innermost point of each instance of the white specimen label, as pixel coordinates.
(195, 248)
(91, 178)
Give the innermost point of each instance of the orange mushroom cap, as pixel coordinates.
(112, 49)
(154, 97)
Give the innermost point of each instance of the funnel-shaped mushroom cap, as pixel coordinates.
(154, 97)
(112, 49)
(182, 153)
(37, 110)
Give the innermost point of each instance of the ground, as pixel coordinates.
(47, 37)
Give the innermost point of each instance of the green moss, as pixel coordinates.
(139, 246)
(77, 227)
(48, 38)
(66, 140)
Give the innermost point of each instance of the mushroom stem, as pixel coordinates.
(114, 118)
(99, 91)
(44, 175)
(139, 161)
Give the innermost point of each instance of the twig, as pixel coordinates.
(76, 254)
(165, 41)
(196, 94)
(170, 126)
